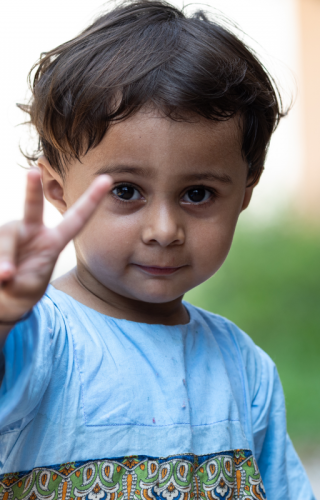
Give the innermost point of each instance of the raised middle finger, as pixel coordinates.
(8, 250)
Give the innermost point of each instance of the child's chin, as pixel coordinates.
(159, 296)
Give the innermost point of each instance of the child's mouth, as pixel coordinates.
(157, 270)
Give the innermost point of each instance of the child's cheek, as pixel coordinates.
(211, 244)
(107, 240)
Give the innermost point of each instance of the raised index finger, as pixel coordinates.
(33, 207)
(79, 214)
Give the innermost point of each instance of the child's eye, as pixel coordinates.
(197, 195)
(126, 192)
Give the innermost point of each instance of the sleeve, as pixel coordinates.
(28, 359)
(282, 472)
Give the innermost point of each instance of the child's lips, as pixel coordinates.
(158, 270)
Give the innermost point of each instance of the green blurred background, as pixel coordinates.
(270, 287)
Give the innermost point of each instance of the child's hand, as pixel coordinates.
(29, 250)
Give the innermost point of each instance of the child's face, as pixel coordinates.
(169, 222)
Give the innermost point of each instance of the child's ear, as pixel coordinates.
(52, 185)
(247, 197)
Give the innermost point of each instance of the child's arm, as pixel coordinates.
(29, 250)
(279, 464)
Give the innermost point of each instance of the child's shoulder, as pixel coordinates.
(222, 328)
(240, 352)
(61, 309)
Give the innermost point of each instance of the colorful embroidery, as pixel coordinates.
(220, 476)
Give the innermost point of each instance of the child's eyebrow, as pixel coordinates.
(144, 172)
(210, 176)
(124, 169)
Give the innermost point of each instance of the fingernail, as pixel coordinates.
(6, 267)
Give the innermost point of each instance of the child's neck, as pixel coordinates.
(83, 287)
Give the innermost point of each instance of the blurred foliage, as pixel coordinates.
(270, 287)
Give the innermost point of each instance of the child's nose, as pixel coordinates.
(163, 227)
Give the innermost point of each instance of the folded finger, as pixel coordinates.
(33, 208)
(79, 214)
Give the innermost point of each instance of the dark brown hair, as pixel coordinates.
(149, 52)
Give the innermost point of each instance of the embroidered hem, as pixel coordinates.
(219, 476)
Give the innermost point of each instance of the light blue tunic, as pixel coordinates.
(82, 386)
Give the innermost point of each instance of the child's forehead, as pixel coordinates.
(154, 118)
(149, 145)
(146, 134)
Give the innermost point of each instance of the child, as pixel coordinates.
(114, 387)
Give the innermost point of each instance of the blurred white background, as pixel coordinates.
(33, 26)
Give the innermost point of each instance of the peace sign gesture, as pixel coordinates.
(29, 250)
